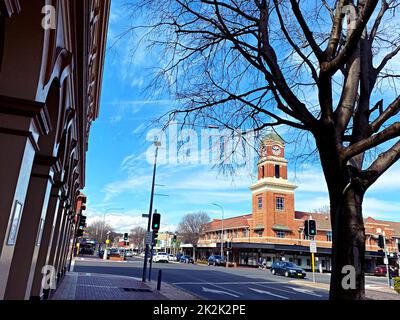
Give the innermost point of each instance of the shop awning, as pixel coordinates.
(279, 227)
(259, 227)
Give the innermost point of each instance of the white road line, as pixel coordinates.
(305, 291)
(244, 282)
(219, 292)
(223, 288)
(269, 293)
(278, 289)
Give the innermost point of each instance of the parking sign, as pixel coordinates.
(313, 246)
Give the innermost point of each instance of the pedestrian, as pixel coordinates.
(264, 264)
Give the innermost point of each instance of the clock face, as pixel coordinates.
(276, 150)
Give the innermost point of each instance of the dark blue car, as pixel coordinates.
(287, 269)
(216, 261)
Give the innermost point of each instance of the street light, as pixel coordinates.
(222, 227)
(157, 144)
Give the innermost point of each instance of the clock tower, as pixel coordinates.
(272, 194)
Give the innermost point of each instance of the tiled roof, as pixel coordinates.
(391, 224)
(229, 223)
(323, 220)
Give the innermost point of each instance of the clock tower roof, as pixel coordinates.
(273, 137)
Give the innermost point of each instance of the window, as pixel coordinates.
(280, 234)
(308, 262)
(12, 236)
(245, 233)
(299, 262)
(262, 172)
(40, 232)
(277, 173)
(329, 236)
(260, 233)
(259, 199)
(280, 203)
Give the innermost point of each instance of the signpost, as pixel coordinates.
(313, 250)
(149, 237)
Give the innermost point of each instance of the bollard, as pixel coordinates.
(159, 279)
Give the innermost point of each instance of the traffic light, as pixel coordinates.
(174, 238)
(83, 204)
(155, 236)
(81, 226)
(310, 228)
(381, 241)
(126, 239)
(155, 225)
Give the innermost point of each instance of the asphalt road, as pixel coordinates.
(219, 283)
(212, 283)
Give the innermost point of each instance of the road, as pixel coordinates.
(214, 283)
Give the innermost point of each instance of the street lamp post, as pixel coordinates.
(104, 224)
(222, 228)
(157, 144)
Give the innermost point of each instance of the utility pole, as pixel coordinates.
(146, 253)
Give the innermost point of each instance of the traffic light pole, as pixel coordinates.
(146, 253)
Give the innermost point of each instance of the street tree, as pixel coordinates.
(137, 236)
(191, 227)
(325, 70)
(97, 230)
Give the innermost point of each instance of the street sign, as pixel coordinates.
(149, 237)
(144, 215)
(313, 246)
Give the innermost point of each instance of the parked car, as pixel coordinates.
(186, 259)
(287, 269)
(216, 260)
(380, 271)
(142, 254)
(160, 257)
(113, 252)
(128, 253)
(171, 257)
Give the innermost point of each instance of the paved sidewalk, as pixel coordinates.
(371, 291)
(91, 286)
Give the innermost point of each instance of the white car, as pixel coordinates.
(160, 257)
(171, 257)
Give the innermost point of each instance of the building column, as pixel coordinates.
(61, 245)
(21, 124)
(37, 291)
(55, 244)
(31, 229)
(63, 266)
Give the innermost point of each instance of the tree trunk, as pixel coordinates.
(348, 247)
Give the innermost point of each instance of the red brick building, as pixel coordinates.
(274, 229)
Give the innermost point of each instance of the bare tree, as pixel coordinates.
(324, 209)
(94, 230)
(323, 68)
(191, 227)
(137, 236)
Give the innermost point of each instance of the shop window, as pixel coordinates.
(280, 203)
(299, 262)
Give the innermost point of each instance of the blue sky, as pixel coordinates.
(118, 177)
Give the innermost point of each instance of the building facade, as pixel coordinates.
(51, 61)
(274, 229)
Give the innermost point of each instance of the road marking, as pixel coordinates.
(269, 293)
(222, 283)
(305, 291)
(219, 292)
(278, 289)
